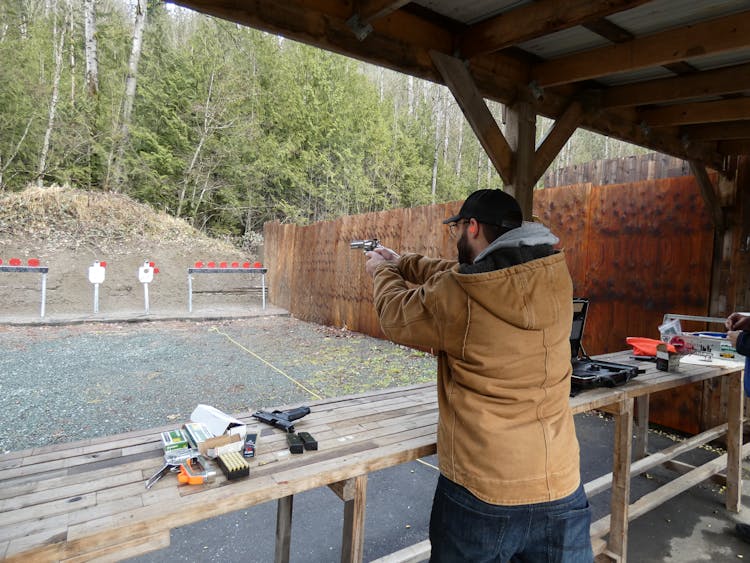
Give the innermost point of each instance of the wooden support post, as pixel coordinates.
(472, 104)
(618, 532)
(521, 135)
(710, 197)
(640, 449)
(353, 541)
(734, 442)
(283, 529)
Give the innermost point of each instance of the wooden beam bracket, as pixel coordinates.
(461, 84)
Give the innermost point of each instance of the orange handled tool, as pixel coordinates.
(193, 472)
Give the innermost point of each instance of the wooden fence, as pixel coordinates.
(637, 251)
(650, 166)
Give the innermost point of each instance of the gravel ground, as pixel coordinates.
(65, 383)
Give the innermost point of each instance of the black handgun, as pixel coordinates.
(365, 245)
(282, 419)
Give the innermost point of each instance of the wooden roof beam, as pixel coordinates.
(700, 112)
(731, 148)
(472, 104)
(367, 11)
(715, 36)
(536, 19)
(371, 10)
(731, 131)
(727, 80)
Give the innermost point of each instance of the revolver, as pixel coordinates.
(365, 245)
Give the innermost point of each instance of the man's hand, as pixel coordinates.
(738, 321)
(378, 256)
(732, 336)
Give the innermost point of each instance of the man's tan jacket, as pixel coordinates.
(505, 429)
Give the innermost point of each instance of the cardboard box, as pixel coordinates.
(218, 422)
(218, 445)
(196, 433)
(666, 360)
(174, 440)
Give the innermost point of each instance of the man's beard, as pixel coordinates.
(465, 255)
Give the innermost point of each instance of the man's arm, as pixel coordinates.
(407, 316)
(418, 269)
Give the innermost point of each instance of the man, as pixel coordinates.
(500, 320)
(738, 325)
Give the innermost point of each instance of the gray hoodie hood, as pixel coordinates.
(528, 234)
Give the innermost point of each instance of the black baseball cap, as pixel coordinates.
(494, 207)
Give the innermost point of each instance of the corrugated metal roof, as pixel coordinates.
(565, 42)
(471, 11)
(661, 15)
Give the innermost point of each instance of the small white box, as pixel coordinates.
(218, 422)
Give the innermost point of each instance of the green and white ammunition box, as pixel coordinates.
(174, 440)
(196, 432)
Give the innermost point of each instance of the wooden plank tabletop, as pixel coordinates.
(88, 498)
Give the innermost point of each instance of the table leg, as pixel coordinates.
(617, 542)
(734, 442)
(283, 529)
(640, 448)
(353, 540)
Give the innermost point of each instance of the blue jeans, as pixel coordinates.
(466, 529)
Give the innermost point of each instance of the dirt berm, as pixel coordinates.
(68, 229)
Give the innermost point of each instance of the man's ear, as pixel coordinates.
(473, 227)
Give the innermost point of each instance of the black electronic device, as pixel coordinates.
(587, 372)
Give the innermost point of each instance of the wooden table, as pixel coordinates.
(87, 499)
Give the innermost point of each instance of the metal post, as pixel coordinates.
(145, 295)
(190, 293)
(263, 286)
(44, 292)
(96, 298)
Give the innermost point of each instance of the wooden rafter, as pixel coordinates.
(717, 36)
(730, 148)
(371, 10)
(535, 19)
(726, 80)
(564, 127)
(459, 81)
(736, 130)
(699, 112)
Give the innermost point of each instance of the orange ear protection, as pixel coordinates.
(473, 229)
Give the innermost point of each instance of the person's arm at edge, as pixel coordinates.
(743, 343)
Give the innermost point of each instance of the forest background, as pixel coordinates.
(225, 126)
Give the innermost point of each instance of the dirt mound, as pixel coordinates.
(68, 229)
